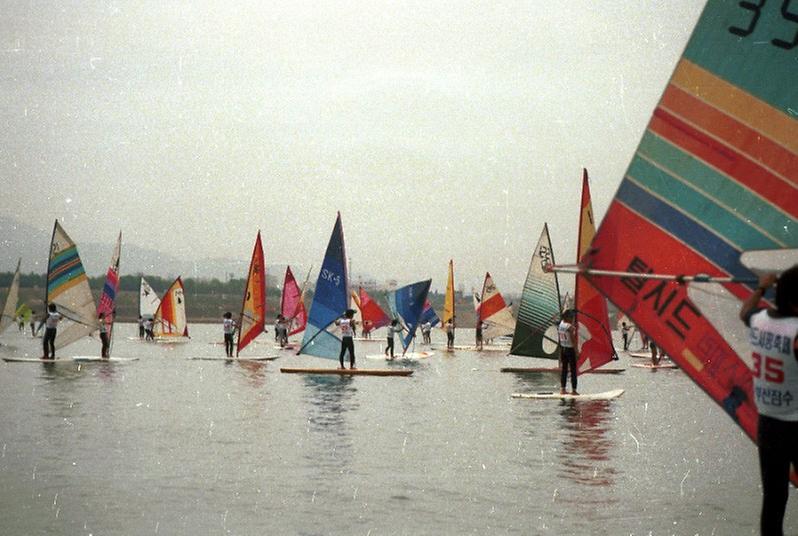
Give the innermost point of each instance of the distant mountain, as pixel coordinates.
(19, 239)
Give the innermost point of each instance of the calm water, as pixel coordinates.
(169, 446)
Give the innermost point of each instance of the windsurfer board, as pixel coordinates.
(549, 395)
(60, 360)
(652, 366)
(98, 359)
(557, 370)
(349, 372)
(409, 356)
(223, 358)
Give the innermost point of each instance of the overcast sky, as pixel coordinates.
(439, 129)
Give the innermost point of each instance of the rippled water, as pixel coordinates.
(165, 445)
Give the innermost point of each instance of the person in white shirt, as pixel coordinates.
(393, 329)
(566, 332)
(773, 334)
(229, 328)
(51, 327)
(347, 339)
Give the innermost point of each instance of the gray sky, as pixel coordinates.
(439, 129)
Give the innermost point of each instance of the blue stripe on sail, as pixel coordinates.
(109, 291)
(696, 236)
(430, 316)
(330, 298)
(66, 277)
(410, 304)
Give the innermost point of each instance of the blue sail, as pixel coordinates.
(429, 315)
(408, 303)
(330, 299)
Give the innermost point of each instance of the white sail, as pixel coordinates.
(68, 288)
(148, 300)
(493, 311)
(10, 308)
(170, 318)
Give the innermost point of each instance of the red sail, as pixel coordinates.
(370, 310)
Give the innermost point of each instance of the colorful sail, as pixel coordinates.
(68, 288)
(370, 310)
(539, 311)
(107, 304)
(429, 315)
(330, 300)
(594, 340)
(715, 176)
(170, 318)
(10, 308)
(407, 304)
(494, 312)
(291, 305)
(448, 300)
(24, 313)
(253, 309)
(148, 300)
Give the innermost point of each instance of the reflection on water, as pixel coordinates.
(253, 371)
(586, 447)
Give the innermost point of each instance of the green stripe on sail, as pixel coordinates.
(698, 206)
(777, 224)
(715, 48)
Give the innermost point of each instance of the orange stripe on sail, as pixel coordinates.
(741, 137)
(737, 103)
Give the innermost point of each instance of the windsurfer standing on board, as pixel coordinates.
(50, 331)
(773, 334)
(229, 328)
(566, 332)
(347, 339)
(450, 334)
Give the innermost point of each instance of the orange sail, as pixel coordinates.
(592, 319)
(170, 318)
(253, 310)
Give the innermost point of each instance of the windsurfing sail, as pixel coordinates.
(253, 309)
(107, 304)
(429, 315)
(370, 310)
(448, 300)
(330, 300)
(68, 288)
(539, 311)
(292, 306)
(407, 304)
(10, 307)
(170, 317)
(24, 313)
(594, 340)
(715, 175)
(494, 312)
(148, 300)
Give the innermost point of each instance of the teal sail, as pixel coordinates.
(407, 305)
(330, 300)
(539, 312)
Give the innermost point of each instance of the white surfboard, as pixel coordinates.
(59, 361)
(549, 395)
(409, 356)
(98, 359)
(223, 358)
(652, 366)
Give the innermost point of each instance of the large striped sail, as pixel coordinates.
(253, 308)
(148, 300)
(407, 304)
(448, 300)
(494, 312)
(10, 307)
(107, 304)
(715, 175)
(330, 300)
(170, 318)
(594, 341)
(539, 311)
(370, 310)
(68, 288)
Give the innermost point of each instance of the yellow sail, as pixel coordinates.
(448, 302)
